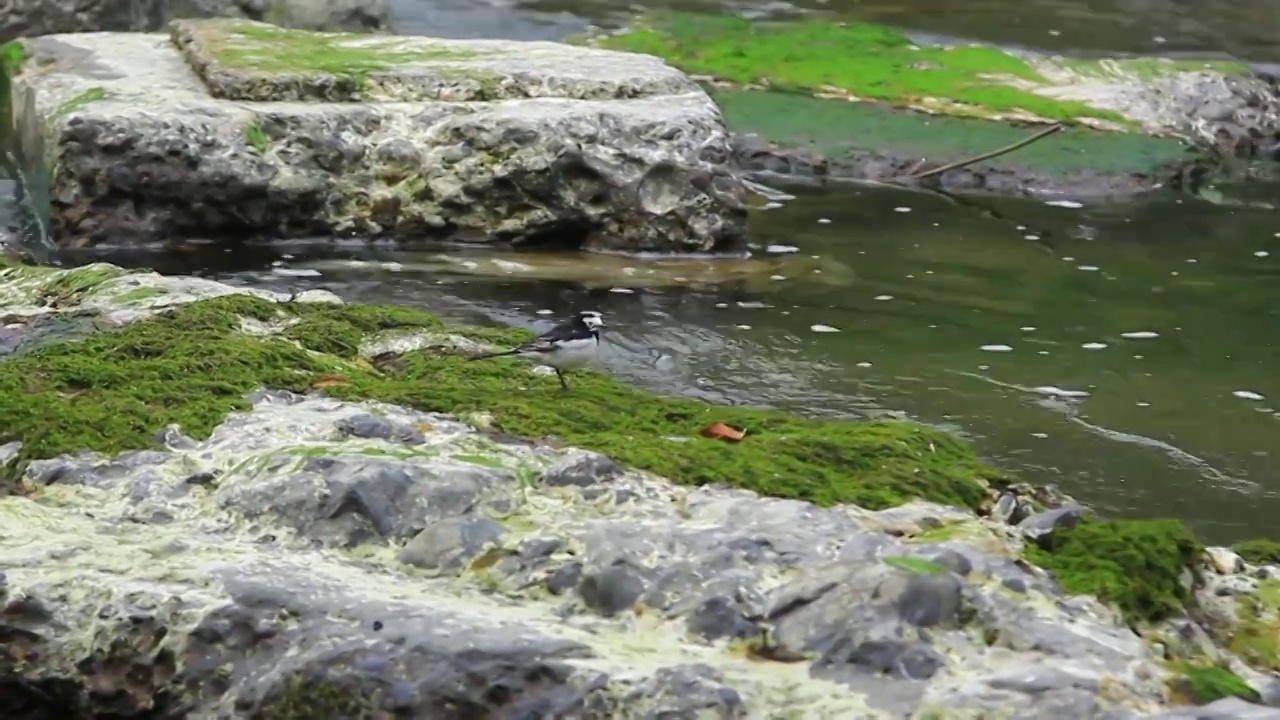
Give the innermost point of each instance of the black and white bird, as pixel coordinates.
(571, 344)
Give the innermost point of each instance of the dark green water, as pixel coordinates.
(949, 315)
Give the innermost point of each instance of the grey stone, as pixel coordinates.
(1230, 708)
(1040, 525)
(478, 141)
(372, 426)
(451, 543)
(581, 470)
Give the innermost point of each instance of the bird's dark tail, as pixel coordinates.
(486, 356)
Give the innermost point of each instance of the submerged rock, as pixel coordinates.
(234, 128)
(303, 550)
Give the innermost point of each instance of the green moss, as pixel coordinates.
(1259, 551)
(1136, 565)
(255, 138)
(1256, 638)
(913, 565)
(91, 95)
(114, 391)
(12, 55)
(1202, 684)
(137, 294)
(867, 61)
(67, 288)
(268, 48)
(835, 128)
(317, 698)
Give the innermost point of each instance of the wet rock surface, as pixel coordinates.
(466, 140)
(389, 553)
(385, 553)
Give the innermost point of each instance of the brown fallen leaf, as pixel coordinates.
(328, 381)
(720, 431)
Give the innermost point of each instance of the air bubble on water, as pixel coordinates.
(1248, 395)
(1028, 328)
(777, 277)
(884, 297)
(296, 272)
(722, 305)
(1261, 253)
(903, 209)
(743, 327)
(1094, 346)
(863, 364)
(1143, 404)
(822, 328)
(1055, 391)
(1140, 335)
(545, 311)
(1030, 237)
(1088, 268)
(781, 249)
(622, 291)
(1040, 435)
(996, 348)
(1065, 204)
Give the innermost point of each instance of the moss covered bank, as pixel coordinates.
(191, 363)
(113, 391)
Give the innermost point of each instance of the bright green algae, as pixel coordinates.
(115, 390)
(869, 61)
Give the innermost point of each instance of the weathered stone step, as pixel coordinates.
(614, 150)
(241, 60)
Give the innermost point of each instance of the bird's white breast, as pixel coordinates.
(571, 353)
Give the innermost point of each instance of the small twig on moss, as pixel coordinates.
(984, 156)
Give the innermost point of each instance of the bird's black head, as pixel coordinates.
(591, 320)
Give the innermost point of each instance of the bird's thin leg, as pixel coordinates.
(563, 385)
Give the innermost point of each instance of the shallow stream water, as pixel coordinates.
(1126, 354)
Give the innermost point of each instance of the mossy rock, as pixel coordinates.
(1259, 551)
(1256, 636)
(863, 61)
(1136, 565)
(114, 391)
(1203, 684)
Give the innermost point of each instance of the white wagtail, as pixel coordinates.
(570, 344)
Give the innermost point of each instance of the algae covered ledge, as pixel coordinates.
(113, 391)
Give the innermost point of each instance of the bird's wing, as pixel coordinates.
(553, 339)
